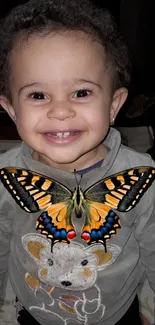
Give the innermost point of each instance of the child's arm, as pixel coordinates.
(145, 234)
(5, 239)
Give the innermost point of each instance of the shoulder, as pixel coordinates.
(9, 157)
(132, 158)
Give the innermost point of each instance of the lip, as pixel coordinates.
(62, 131)
(51, 138)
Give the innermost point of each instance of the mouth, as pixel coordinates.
(64, 134)
(62, 137)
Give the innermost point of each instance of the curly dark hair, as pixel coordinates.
(45, 16)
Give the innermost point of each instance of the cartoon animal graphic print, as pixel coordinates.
(65, 286)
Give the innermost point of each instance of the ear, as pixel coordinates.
(119, 98)
(104, 259)
(33, 244)
(6, 104)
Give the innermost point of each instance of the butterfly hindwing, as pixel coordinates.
(35, 192)
(100, 223)
(56, 223)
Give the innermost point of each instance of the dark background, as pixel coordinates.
(113, 5)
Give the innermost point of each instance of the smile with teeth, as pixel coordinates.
(61, 135)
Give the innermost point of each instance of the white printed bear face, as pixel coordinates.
(68, 266)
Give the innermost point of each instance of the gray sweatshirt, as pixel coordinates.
(77, 283)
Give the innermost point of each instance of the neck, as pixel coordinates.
(82, 163)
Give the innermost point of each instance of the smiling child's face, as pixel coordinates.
(62, 102)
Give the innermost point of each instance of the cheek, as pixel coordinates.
(29, 110)
(97, 118)
(27, 119)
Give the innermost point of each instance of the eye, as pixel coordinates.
(84, 262)
(82, 93)
(37, 95)
(50, 262)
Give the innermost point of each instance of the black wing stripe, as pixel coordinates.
(18, 192)
(134, 195)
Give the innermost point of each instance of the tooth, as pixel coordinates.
(66, 134)
(59, 135)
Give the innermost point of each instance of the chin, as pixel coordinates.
(61, 160)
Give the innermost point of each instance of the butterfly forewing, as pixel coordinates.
(18, 183)
(32, 191)
(122, 191)
(139, 181)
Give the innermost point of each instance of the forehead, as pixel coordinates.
(57, 56)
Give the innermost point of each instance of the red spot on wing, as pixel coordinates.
(71, 234)
(85, 236)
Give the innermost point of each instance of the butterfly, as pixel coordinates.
(34, 192)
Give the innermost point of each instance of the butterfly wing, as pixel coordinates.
(100, 223)
(121, 191)
(34, 192)
(56, 222)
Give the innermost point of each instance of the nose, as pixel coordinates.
(61, 110)
(66, 283)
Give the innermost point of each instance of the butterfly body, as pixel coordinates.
(35, 192)
(78, 199)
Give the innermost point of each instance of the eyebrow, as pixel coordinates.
(28, 85)
(76, 80)
(89, 81)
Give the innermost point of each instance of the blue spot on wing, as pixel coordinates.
(109, 228)
(46, 226)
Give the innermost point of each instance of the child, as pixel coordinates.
(64, 75)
